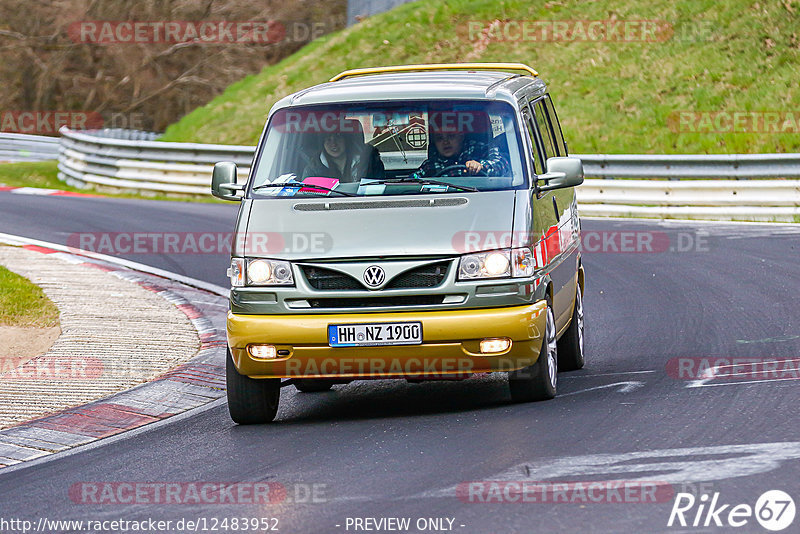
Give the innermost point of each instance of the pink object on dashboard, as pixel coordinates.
(330, 183)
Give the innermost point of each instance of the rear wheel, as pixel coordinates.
(570, 346)
(538, 381)
(312, 385)
(251, 401)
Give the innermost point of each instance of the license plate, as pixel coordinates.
(365, 335)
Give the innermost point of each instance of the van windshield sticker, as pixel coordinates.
(497, 125)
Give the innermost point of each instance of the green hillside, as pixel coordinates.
(613, 96)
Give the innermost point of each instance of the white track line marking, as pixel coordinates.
(606, 374)
(702, 384)
(33, 191)
(713, 373)
(624, 387)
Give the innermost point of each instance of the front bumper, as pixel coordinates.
(450, 343)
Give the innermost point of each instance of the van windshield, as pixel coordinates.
(393, 148)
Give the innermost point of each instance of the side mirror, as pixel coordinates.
(562, 172)
(223, 181)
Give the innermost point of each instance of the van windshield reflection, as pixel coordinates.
(395, 148)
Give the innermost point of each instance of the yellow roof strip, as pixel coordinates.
(436, 66)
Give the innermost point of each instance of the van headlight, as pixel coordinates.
(517, 262)
(260, 272)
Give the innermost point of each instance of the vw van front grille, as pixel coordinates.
(424, 276)
(430, 275)
(330, 280)
(377, 302)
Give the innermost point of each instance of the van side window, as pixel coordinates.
(561, 146)
(544, 129)
(532, 138)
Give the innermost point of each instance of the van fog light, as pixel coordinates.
(491, 346)
(263, 352)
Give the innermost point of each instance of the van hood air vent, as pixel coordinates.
(381, 204)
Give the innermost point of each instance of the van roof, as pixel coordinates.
(438, 84)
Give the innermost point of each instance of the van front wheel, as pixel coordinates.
(570, 346)
(538, 381)
(251, 401)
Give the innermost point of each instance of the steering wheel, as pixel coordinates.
(442, 172)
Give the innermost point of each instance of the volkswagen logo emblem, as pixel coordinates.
(374, 276)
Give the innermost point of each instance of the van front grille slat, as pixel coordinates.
(330, 280)
(430, 275)
(377, 302)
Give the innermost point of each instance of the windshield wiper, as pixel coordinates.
(422, 181)
(300, 185)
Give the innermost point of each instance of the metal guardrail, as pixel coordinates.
(24, 147)
(752, 200)
(715, 186)
(104, 159)
(674, 167)
(108, 159)
(122, 133)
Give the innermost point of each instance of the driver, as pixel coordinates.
(451, 148)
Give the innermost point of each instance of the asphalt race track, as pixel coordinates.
(379, 449)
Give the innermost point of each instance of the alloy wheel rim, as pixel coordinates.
(552, 355)
(579, 310)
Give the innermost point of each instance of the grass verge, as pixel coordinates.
(23, 303)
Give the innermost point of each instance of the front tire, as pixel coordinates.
(538, 381)
(570, 346)
(251, 401)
